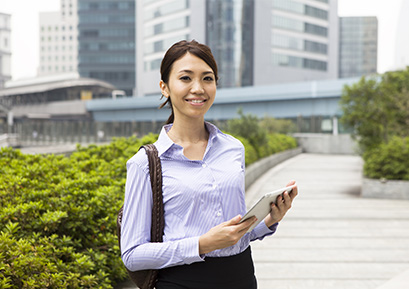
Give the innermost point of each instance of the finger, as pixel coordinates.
(275, 211)
(294, 191)
(233, 221)
(287, 200)
(279, 199)
(248, 222)
(244, 226)
(281, 202)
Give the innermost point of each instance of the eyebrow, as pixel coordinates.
(191, 72)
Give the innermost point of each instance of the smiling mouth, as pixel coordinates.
(196, 100)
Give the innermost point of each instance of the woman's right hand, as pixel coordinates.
(224, 235)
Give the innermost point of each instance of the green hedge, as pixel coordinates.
(58, 213)
(388, 160)
(58, 216)
(275, 143)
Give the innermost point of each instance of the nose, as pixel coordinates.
(197, 87)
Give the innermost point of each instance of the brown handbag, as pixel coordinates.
(146, 279)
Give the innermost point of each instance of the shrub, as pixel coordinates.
(248, 127)
(58, 216)
(58, 213)
(251, 155)
(273, 125)
(388, 160)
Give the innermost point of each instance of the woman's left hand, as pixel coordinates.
(279, 210)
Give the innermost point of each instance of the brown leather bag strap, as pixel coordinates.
(155, 172)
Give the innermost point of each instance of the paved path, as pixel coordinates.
(331, 238)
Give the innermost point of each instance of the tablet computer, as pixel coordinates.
(263, 206)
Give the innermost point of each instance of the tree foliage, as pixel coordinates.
(58, 216)
(388, 160)
(377, 108)
(266, 136)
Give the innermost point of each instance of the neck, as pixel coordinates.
(188, 132)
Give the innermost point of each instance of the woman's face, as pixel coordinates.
(191, 87)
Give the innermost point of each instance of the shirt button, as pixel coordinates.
(214, 186)
(204, 165)
(219, 213)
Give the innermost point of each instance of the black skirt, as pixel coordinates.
(233, 272)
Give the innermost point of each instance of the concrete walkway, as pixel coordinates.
(331, 238)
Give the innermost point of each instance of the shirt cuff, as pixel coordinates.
(190, 246)
(263, 230)
(273, 227)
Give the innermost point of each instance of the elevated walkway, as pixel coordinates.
(332, 238)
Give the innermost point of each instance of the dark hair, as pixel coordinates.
(177, 51)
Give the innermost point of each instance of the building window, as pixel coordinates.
(315, 29)
(171, 25)
(298, 62)
(315, 47)
(166, 9)
(316, 12)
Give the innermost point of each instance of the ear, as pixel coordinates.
(164, 89)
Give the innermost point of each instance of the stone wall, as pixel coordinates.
(385, 189)
(327, 143)
(255, 170)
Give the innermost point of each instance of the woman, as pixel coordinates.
(204, 245)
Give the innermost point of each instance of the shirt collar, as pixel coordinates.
(164, 142)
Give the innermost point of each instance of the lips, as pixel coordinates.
(196, 100)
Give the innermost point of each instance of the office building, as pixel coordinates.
(5, 48)
(254, 42)
(107, 42)
(358, 46)
(402, 38)
(295, 41)
(58, 40)
(229, 33)
(160, 23)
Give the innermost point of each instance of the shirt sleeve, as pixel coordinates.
(136, 250)
(261, 231)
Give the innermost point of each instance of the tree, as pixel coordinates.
(273, 125)
(377, 108)
(247, 126)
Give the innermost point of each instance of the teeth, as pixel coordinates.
(197, 101)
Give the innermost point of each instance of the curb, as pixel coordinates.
(255, 170)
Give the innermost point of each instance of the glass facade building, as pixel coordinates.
(255, 42)
(358, 46)
(230, 25)
(5, 48)
(298, 43)
(402, 38)
(107, 42)
(161, 23)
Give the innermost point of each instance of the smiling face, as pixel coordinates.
(191, 87)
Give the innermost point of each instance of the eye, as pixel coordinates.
(185, 78)
(208, 78)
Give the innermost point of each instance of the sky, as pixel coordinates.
(25, 29)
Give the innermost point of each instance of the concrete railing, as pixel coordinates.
(320, 143)
(9, 140)
(385, 189)
(255, 170)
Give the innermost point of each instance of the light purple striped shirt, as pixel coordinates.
(197, 196)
